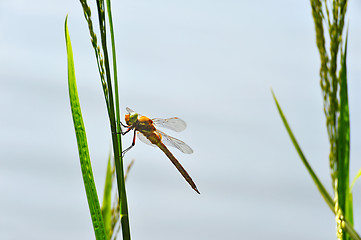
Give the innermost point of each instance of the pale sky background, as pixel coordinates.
(212, 63)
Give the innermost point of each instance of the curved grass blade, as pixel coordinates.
(326, 196)
(85, 164)
(314, 177)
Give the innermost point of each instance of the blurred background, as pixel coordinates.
(211, 63)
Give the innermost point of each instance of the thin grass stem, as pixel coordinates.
(115, 136)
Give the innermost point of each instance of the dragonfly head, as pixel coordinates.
(131, 118)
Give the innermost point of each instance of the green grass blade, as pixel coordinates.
(117, 109)
(349, 208)
(326, 196)
(355, 179)
(318, 183)
(86, 168)
(107, 200)
(128, 169)
(351, 231)
(343, 143)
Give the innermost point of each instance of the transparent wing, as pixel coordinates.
(173, 142)
(175, 124)
(144, 139)
(129, 110)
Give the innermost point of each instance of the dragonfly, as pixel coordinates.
(145, 129)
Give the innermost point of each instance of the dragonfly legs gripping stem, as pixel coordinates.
(123, 124)
(133, 143)
(129, 128)
(121, 130)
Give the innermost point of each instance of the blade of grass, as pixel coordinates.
(350, 230)
(115, 74)
(116, 92)
(343, 141)
(349, 208)
(124, 210)
(128, 169)
(355, 179)
(326, 196)
(116, 206)
(85, 163)
(314, 177)
(107, 200)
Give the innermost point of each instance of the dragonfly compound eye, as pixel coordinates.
(133, 118)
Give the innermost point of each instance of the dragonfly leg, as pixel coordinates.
(128, 130)
(133, 143)
(123, 124)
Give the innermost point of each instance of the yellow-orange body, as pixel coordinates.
(146, 127)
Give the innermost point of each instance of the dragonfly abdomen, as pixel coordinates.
(152, 136)
(178, 166)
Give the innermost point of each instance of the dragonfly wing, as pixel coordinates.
(173, 142)
(130, 111)
(144, 139)
(175, 124)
